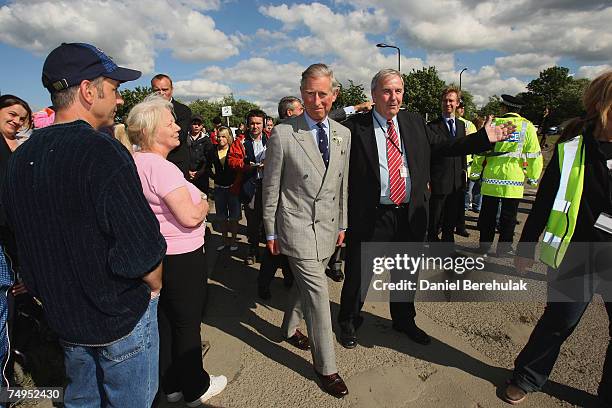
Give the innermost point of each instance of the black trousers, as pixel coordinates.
(269, 264)
(391, 225)
(444, 212)
(184, 281)
(254, 219)
(535, 362)
(507, 220)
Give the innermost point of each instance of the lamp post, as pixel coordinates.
(461, 73)
(383, 45)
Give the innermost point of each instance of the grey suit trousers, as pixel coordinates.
(312, 303)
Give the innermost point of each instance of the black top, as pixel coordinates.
(180, 154)
(596, 197)
(224, 174)
(7, 239)
(448, 173)
(86, 235)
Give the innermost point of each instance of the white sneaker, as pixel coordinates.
(217, 384)
(174, 396)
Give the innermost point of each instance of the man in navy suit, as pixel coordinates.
(448, 174)
(255, 154)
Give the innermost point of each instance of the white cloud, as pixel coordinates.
(200, 89)
(592, 71)
(260, 80)
(130, 31)
(487, 81)
(525, 64)
(579, 30)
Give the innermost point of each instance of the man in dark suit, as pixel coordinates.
(388, 191)
(162, 84)
(448, 174)
(255, 154)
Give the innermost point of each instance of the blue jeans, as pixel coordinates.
(227, 205)
(122, 374)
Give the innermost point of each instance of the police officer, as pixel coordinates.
(502, 172)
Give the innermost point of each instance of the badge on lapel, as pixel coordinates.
(335, 138)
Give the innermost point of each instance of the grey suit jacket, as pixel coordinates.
(304, 204)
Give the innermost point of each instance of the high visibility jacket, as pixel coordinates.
(562, 219)
(502, 170)
(469, 129)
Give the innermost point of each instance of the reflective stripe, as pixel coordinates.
(503, 182)
(474, 175)
(552, 240)
(533, 182)
(561, 205)
(533, 155)
(569, 154)
(505, 154)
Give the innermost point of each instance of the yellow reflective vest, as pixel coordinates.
(502, 170)
(562, 219)
(469, 129)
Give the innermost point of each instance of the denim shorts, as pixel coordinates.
(227, 205)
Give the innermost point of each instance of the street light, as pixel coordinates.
(383, 45)
(461, 73)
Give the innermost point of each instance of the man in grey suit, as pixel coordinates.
(305, 213)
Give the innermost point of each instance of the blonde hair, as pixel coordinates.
(227, 132)
(597, 101)
(597, 98)
(451, 89)
(144, 119)
(121, 135)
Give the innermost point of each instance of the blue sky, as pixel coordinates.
(257, 49)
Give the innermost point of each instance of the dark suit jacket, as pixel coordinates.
(447, 173)
(180, 154)
(339, 115)
(364, 175)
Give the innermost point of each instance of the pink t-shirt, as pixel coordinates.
(159, 177)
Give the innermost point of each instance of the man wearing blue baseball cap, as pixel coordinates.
(90, 243)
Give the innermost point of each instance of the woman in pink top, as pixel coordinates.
(181, 210)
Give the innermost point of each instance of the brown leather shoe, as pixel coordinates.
(333, 384)
(513, 394)
(299, 340)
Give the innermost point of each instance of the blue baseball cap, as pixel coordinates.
(69, 64)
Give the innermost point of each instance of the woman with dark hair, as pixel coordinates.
(14, 114)
(573, 207)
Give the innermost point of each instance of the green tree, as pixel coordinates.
(209, 109)
(131, 97)
(493, 107)
(350, 96)
(470, 107)
(555, 92)
(422, 90)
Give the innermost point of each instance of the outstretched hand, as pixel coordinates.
(498, 133)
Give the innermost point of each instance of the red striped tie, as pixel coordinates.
(397, 183)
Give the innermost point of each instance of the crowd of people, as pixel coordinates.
(104, 224)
